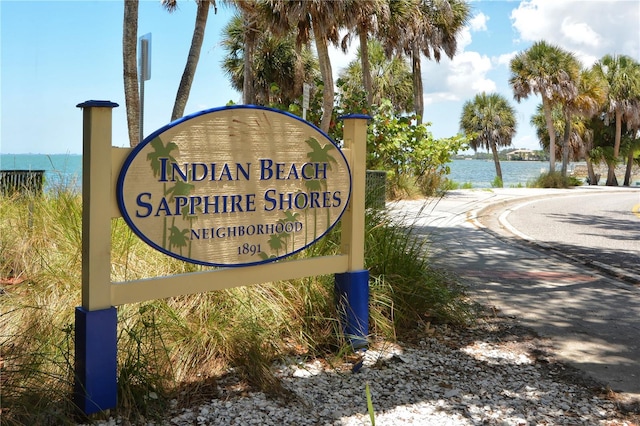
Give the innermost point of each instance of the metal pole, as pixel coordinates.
(145, 74)
(141, 109)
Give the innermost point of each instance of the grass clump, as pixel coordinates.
(497, 182)
(178, 348)
(556, 180)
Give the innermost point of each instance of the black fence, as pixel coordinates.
(22, 182)
(376, 189)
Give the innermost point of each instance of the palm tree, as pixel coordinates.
(417, 27)
(193, 57)
(363, 18)
(391, 79)
(322, 19)
(246, 27)
(599, 140)
(622, 75)
(588, 101)
(574, 133)
(552, 73)
(275, 64)
(490, 122)
(632, 134)
(130, 69)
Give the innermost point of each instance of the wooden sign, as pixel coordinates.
(234, 186)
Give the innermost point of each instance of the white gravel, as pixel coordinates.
(495, 374)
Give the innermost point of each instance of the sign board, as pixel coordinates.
(234, 186)
(306, 93)
(144, 57)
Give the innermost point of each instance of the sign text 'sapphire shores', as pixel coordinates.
(234, 186)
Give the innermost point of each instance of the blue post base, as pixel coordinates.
(95, 387)
(352, 296)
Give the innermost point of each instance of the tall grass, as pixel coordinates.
(168, 346)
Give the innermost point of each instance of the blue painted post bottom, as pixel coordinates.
(95, 387)
(352, 295)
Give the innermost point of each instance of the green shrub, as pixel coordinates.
(555, 180)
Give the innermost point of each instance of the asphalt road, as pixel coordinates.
(591, 315)
(599, 228)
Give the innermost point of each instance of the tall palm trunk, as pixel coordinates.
(416, 69)
(366, 68)
(130, 70)
(627, 173)
(300, 79)
(612, 180)
(496, 160)
(630, 158)
(327, 77)
(565, 144)
(588, 146)
(248, 92)
(591, 173)
(192, 60)
(546, 106)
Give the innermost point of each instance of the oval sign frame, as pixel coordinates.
(234, 186)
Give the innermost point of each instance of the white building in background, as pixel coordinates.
(522, 155)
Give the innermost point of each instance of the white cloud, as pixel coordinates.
(504, 59)
(590, 29)
(467, 74)
(479, 22)
(463, 40)
(580, 33)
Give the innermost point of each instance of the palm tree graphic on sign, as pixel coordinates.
(319, 154)
(159, 152)
(179, 189)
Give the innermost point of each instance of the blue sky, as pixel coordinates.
(56, 54)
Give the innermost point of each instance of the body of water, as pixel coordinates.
(66, 169)
(60, 169)
(481, 173)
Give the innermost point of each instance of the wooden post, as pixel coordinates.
(95, 387)
(352, 287)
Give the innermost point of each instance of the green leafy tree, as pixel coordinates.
(633, 149)
(622, 76)
(278, 69)
(408, 152)
(575, 136)
(489, 121)
(320, 20)
(363, 18)
(551, 72)
(423, 27)
(589, 100)
(391, 80)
